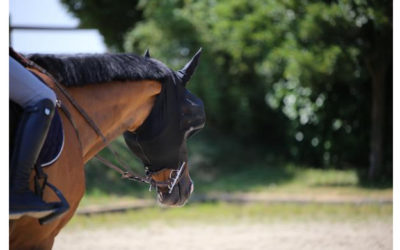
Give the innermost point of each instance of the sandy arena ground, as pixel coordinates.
(235, 236)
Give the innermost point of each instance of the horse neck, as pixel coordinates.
(115, 107)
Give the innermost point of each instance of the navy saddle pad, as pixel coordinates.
(54, 143)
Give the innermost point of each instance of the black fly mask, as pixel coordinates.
(160, 142)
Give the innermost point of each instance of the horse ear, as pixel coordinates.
(147, 54)
(186, 72)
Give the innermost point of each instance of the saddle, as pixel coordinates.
(54, 142)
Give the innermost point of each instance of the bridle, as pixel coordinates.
(175, 175)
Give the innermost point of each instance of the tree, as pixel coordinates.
(113, 19)
(306, 78)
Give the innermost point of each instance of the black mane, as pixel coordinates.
(82, 69)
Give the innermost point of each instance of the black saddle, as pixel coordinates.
(54, 142)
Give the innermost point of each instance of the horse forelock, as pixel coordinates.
(83, 69)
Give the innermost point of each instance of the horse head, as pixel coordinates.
(160, 142)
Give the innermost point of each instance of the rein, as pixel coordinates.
(174, 175)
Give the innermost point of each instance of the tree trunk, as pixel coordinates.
(377, 69)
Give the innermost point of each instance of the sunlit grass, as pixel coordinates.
(223, 213)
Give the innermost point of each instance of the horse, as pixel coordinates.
(104, 96)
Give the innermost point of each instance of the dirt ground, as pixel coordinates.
(353, 235)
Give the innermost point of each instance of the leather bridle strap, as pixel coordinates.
(124, 174)
(170, 183)
(69, 116)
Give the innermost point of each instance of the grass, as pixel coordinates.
(220, 167)
(222, 213)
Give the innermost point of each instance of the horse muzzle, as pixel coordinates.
(179, 193)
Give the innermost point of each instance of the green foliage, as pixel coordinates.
(111, 18)
(290, 76)
(289, 73)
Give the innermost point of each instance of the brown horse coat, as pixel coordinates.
(115, 107)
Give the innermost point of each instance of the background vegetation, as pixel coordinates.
(284, 82)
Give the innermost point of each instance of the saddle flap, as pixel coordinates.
(53, 144)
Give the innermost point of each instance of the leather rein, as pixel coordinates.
(174, 174)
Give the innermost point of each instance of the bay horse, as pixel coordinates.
(127, 94)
